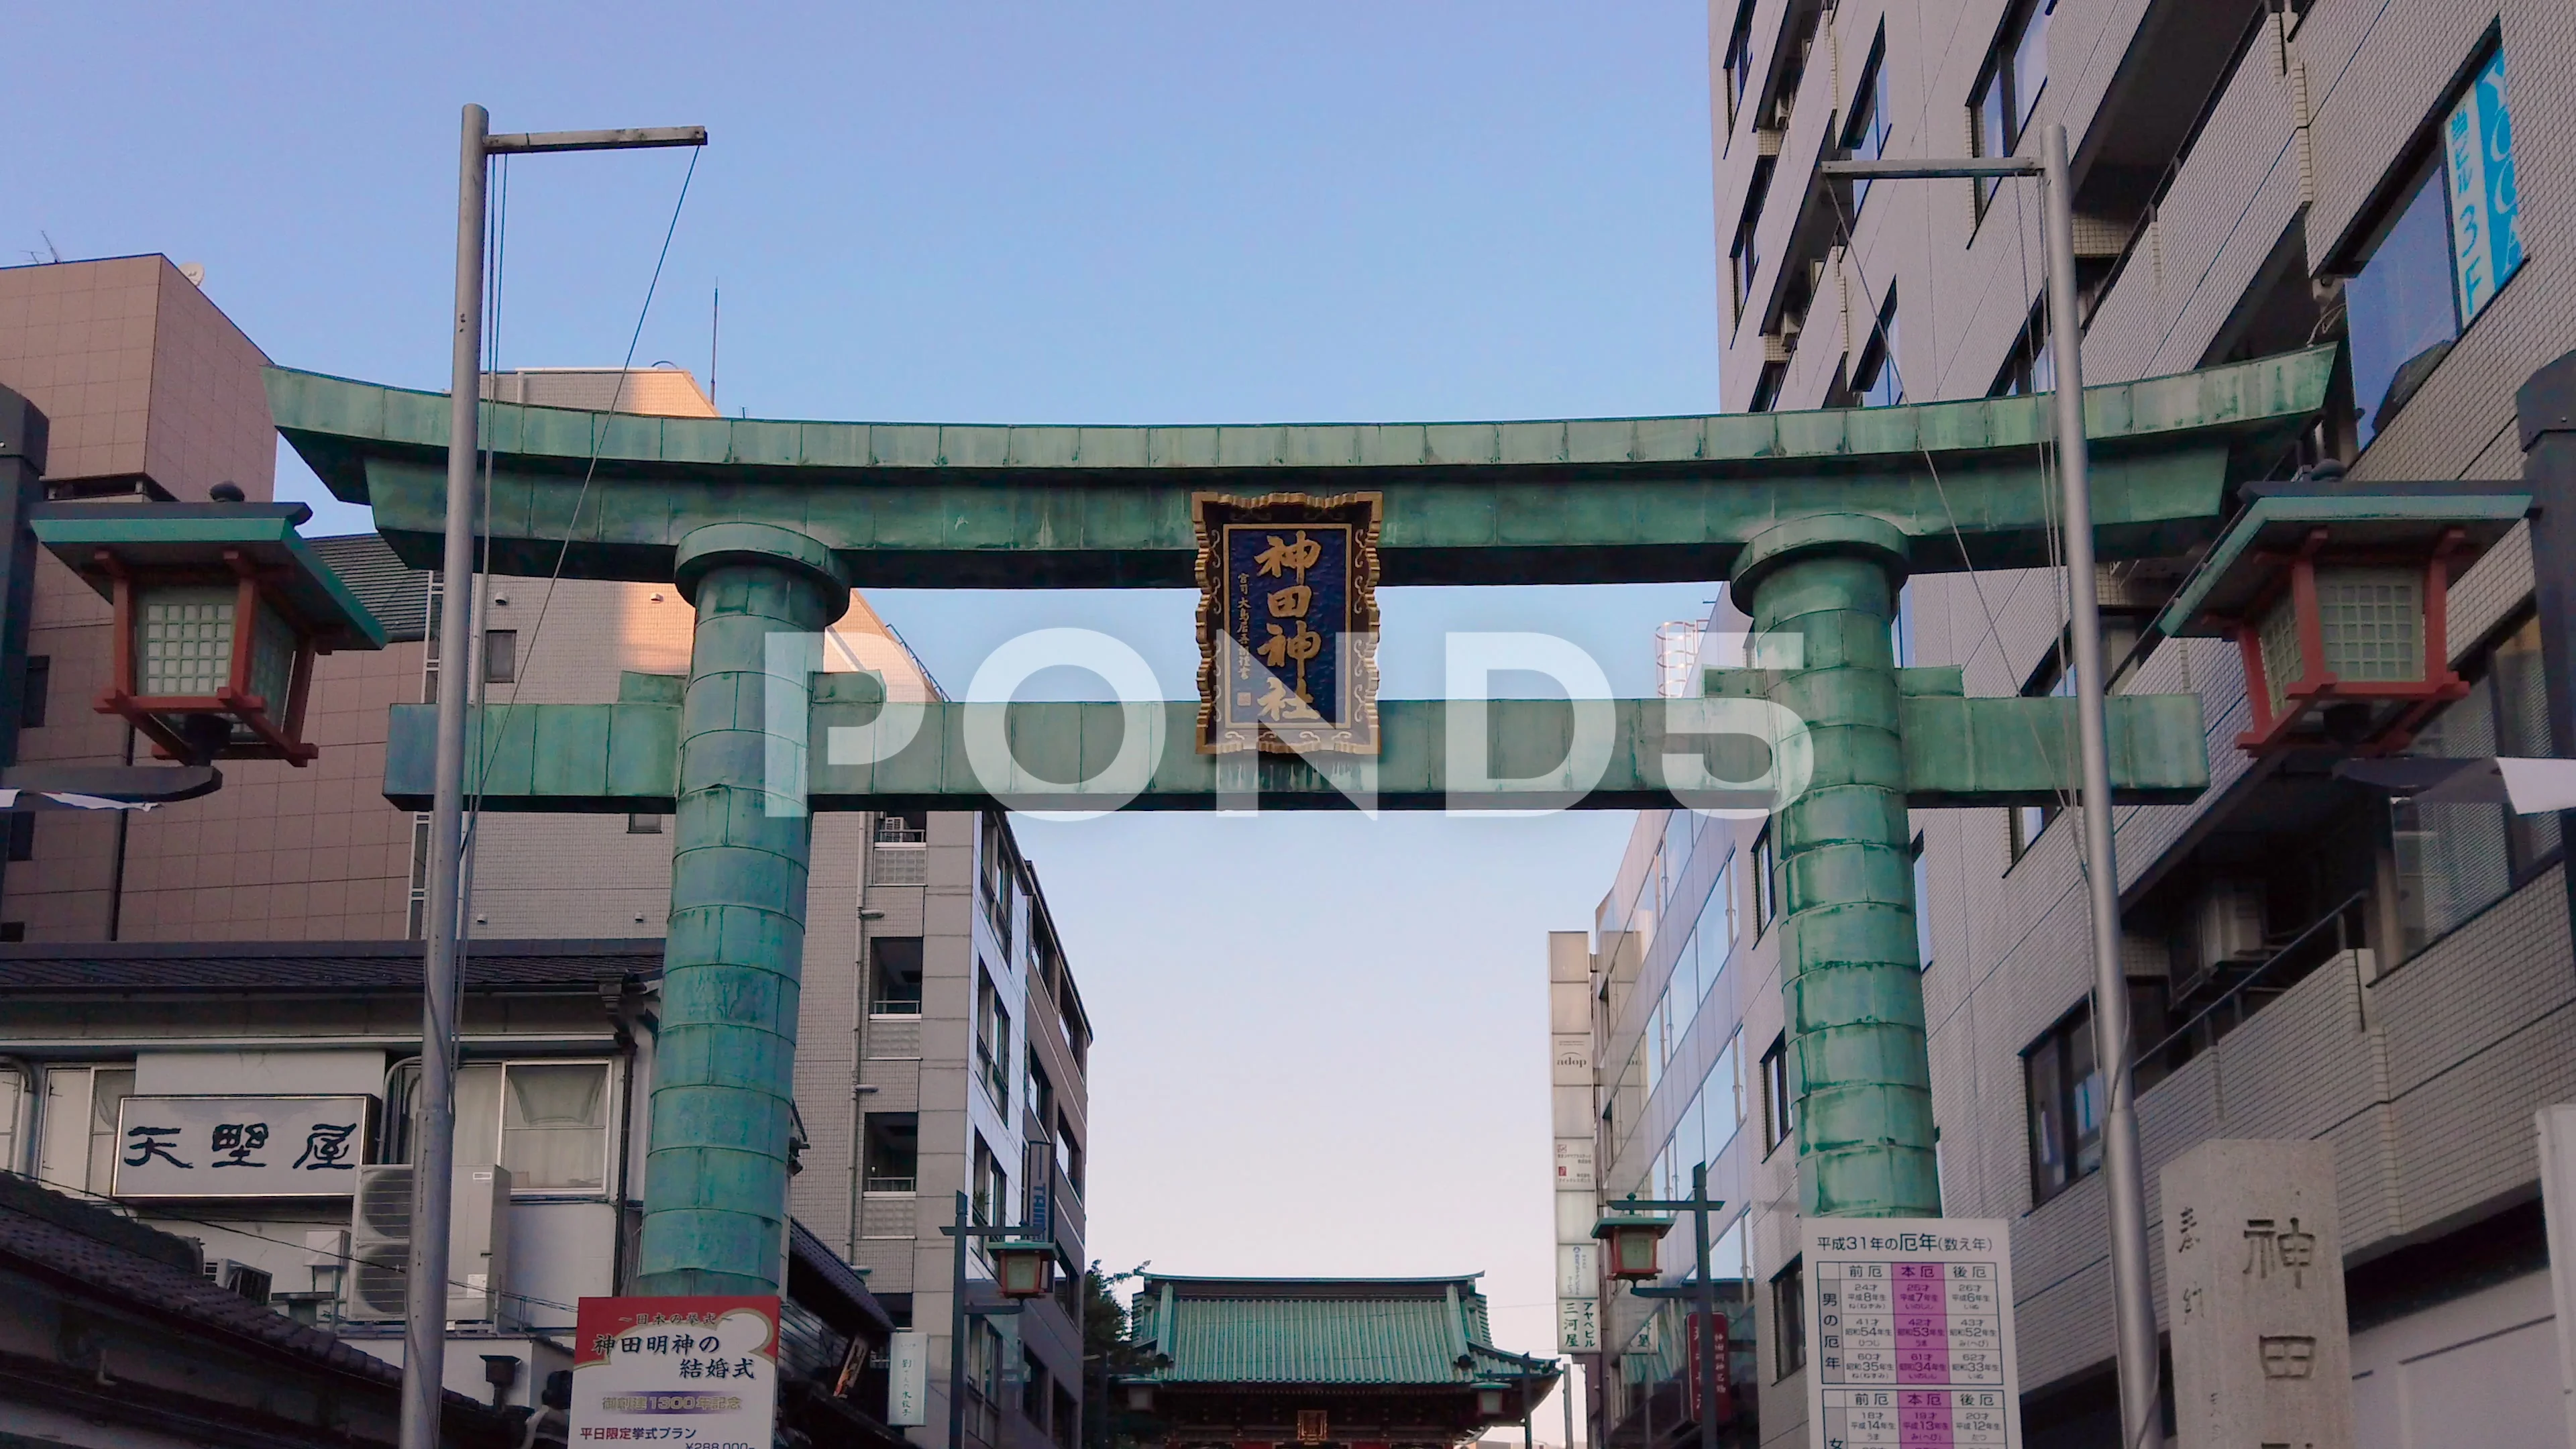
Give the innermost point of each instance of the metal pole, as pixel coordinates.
(957, 1335)
(1565, 1394)
(433, 1151)
(2134, 1310)
(1704, 1361)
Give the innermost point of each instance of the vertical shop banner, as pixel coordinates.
(2486, 207)
(701, 1371)
(908, 1378)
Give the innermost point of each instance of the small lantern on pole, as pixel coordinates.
(1489, 1399)
(2338, 603)
(1023, 1268)
(220, 610)
(1633, 1239)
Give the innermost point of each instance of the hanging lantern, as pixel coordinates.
(1489, 1400)
(1023, 1269)
(220, 610)
(1632, 1240)
(2338, 604)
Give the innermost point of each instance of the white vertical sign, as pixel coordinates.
(908, 1378)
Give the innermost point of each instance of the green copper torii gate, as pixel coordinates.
(1815, 517)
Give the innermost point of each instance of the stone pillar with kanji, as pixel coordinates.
(2254, 1297)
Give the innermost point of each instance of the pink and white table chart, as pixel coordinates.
(1909, 1331)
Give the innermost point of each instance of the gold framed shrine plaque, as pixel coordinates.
(1287, 622)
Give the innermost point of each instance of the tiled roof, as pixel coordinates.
(1360, 1332)
(335, 966)
(103, 1255)
(395, 592)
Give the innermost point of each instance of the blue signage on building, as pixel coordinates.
(2486, 230)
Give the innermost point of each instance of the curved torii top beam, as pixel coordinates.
(1579, 501)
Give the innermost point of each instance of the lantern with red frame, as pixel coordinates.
(220, 610)
(2339, 606)
(1632, 1238)
(1023, 1268)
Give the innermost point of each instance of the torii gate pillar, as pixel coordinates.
(715, 1184)
(1848, 958)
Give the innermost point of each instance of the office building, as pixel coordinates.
(943, 1044)
(2306, 957)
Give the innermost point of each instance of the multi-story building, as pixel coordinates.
(2307, 959)
(943, 1044)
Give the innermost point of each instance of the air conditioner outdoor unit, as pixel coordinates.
(478, 1244)
(234, 1277)
(2226, 925)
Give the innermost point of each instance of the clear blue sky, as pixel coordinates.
(1040, 213)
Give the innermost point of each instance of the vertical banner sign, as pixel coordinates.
(1287, 623)
(908, 1378)
(2486, 208)
(1911, 1334)
(702, 1371)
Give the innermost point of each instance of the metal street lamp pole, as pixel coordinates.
(1704, 1358)
(2124, 1174)
(434, 1148)
(959, 1316)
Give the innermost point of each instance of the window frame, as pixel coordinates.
(2147, 1026)
(1878, 362)
(1737, 66)
(1922, 871)
(1779, 1097)
(2525, 859)
(1789, 1319)
(1766, 902)
(2000, 78)
(402, 1093)
(500, 656)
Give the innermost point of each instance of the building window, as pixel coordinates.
(893, 1162)
(77, 1145)
(1779, 1096)
(1878, 381)
(22, 835)
(643, 824)
(1865, 136)
(992, 1038)
(500, 656)
(1792, 74)
(14, 931)
(1765, 889)
(1738, 65)
(2452, 237)
(992, 1185)
(2067, 1096)
(1922, 906)
(13, 1112)
(1041, 1091)
(2454, 861)
(1745, 257)
(1766, 387)
(2008, 88)
(894, 964)
(39, 684)
(2049, 679)
(1789, 1319)
(554, 1126)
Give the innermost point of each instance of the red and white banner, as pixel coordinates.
(700, 1371)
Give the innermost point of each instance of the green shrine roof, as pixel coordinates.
(1355, 1332)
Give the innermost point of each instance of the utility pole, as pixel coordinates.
(434, 1146)
(2124, 1175)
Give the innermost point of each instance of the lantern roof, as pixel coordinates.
(1614, 1221)
(162, 536)
(2407, 518)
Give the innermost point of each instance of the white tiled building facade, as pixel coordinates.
(2246, 180)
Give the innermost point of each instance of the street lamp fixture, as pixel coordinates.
(1489, 1399)
(1023, 1268)
(1634, 1238)
(2338, 602)
(220, 610)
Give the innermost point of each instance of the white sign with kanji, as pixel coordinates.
(201, 1147)
(1910, 1334)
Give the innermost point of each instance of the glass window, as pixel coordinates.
(1789, 1318)
(1865, 136)
(1900, 630)
(1766, 387)
(1922, 906)
(1722, 1099)
(500, 656)
(2454, 237)
(108, 1089)
(1779, 1096)
(1739, 61)
(554, 1126)
(1878, 381)
(2454, 861)
(2008, 90)
(13, 1108)
(2066, 1091)
(1764, 902)
(2400, 309)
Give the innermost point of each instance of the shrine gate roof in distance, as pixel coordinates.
(1605, 500)
(1385, 1361)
